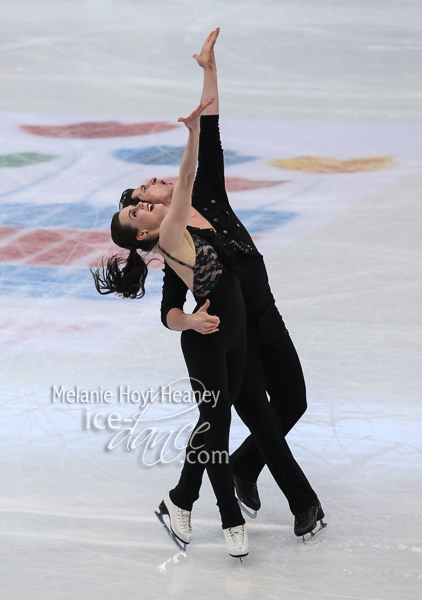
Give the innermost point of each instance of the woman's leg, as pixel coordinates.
(187, 490)
(208, 370)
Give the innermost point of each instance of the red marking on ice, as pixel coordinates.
(6, 232)
(69, 247)
(239, 184)
(101, 129)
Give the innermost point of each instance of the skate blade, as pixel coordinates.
(247, 511)
(179, 544)
(312, 535)
(240, 557)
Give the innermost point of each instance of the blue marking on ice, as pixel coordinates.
(152, 155)
(259, 221)
(56, 282)
(68, 216)
(233, 158)
(85, 216)
(169, 155)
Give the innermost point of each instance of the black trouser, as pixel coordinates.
(279, 365)
(215, 363)
(267, 443)
(274, 367)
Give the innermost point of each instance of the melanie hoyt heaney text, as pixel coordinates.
(124, 394)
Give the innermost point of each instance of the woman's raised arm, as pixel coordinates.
(174, 224)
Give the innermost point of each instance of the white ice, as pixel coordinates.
(332, 79)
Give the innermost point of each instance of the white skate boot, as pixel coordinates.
(180, 529)
(237, 541)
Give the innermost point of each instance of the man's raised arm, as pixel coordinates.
(206, 60)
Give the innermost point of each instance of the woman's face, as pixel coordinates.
(144, 217)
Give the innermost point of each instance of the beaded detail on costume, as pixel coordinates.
(207, 268)
(225, 246)
(236, 246)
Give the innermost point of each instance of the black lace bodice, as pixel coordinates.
(207, 268)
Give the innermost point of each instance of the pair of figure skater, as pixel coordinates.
(240, 352)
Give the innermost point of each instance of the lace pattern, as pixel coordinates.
(208, 268)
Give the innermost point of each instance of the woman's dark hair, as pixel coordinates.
(124, 276)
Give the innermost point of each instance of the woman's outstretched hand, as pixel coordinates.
(192, 122)
(206, 58)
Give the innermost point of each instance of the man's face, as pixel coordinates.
(156, 191)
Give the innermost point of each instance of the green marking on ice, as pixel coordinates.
(22, 159)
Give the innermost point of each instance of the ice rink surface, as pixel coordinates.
(90, 95)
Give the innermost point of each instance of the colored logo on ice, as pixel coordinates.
(169, 155)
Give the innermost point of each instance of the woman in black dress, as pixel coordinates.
(215, 363)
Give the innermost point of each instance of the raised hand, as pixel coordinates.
(206, 58)
(192, 122)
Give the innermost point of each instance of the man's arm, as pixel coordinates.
(206, 60)
(209, 181)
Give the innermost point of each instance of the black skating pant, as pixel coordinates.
(215, 363)
(266, 443)
(273, 367)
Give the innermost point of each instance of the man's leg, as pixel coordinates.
(255, 411)
(285, 383)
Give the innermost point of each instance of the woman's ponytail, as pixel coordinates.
(121, 275)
